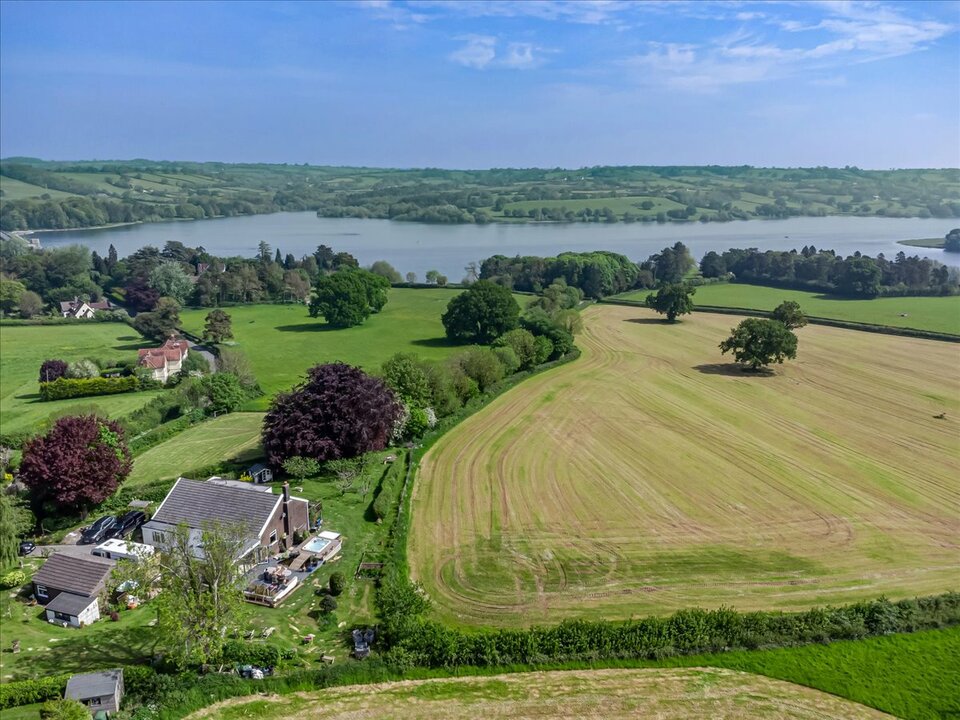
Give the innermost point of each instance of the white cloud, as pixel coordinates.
(849, 33)
(482, 51)
(478, 52)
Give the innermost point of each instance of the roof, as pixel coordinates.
(101, 305)
(196, 503)
(126, 547)
(81, 576)
(259, 467)
(95, 684)
(241, 485)
(152, 361)
(70, 604)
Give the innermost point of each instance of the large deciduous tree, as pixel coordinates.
(404, 373)
(757, 342)
(160, 323)
(79, 463)
(169, 280)
(217, 326)
(348, 297)
(481, 314)
(789, 313)
(339, 412)
(672, 300)
(202, 598)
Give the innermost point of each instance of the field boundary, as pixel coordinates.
(812, 319)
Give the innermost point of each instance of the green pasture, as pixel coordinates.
(938, 314)
(19, 190)
(229, 437)
(283, 341)
(23, 348)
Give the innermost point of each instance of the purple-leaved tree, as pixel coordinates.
(339, 412)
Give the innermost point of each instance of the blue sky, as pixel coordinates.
(484, 84)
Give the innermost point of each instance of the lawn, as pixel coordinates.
(651, 475)
(47, 649)
(939, 314)
(229, 437)
(23, 348)
(283, 341)
(915, 676)
(674, 694)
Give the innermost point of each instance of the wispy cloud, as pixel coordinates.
(477, 52)
(848, 33)
(482, 51)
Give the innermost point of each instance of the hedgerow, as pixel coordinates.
(65, 388)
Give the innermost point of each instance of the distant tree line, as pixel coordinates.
(597, 274)
(854, 276)
(149, 191)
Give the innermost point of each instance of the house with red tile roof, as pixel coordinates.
(165, 360)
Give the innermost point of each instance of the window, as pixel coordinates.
(273, 537)
(42, 591)
(93, 701)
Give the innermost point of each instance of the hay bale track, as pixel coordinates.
(651, 475)
(607, 694)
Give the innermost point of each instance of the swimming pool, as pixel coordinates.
(315, 545)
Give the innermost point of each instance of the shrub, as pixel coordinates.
(83, 369)
(337, 582)
(64, 710)
(52, 370)
(328, 604)
(417, 424)
(13, 579)
(65, 388)
(301, 467)
(247, 653)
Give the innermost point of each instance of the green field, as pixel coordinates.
(23, 348)
(652, 475)
(915, 676)
(283, 341)
(675, 694)
(228, 437)
(937, 314)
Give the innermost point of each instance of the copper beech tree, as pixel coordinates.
(79, 463)
(339, 412)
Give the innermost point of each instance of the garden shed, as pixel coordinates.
(99, 691)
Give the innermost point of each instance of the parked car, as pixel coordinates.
(27, 547)
(98, 531)
(127, 524)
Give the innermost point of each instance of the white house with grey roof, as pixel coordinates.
(271, 520)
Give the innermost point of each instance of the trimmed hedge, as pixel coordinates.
(65, 388)
(246, 653)
(430, 644)
(35, 690)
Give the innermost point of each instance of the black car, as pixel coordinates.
(127, 523)
(98, 532)
(27, 547)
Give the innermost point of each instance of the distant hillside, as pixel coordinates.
(37, 194)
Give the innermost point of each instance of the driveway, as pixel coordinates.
(203, 350)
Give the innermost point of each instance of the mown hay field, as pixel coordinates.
(652, 475)
(608, 694)
(235, 436)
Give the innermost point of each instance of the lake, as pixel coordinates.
(448, 248)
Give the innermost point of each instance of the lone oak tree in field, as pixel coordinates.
(672, 300)
(78, 464)
(481, 314)
(757, 342)
(339, 412)
(218, 326)
(789, 313)
(348, 297)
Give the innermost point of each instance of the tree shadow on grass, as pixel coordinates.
(28, 396)
(437, 342)
(649, 321)
(308, 327)
(135, 346)
(733, 370)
